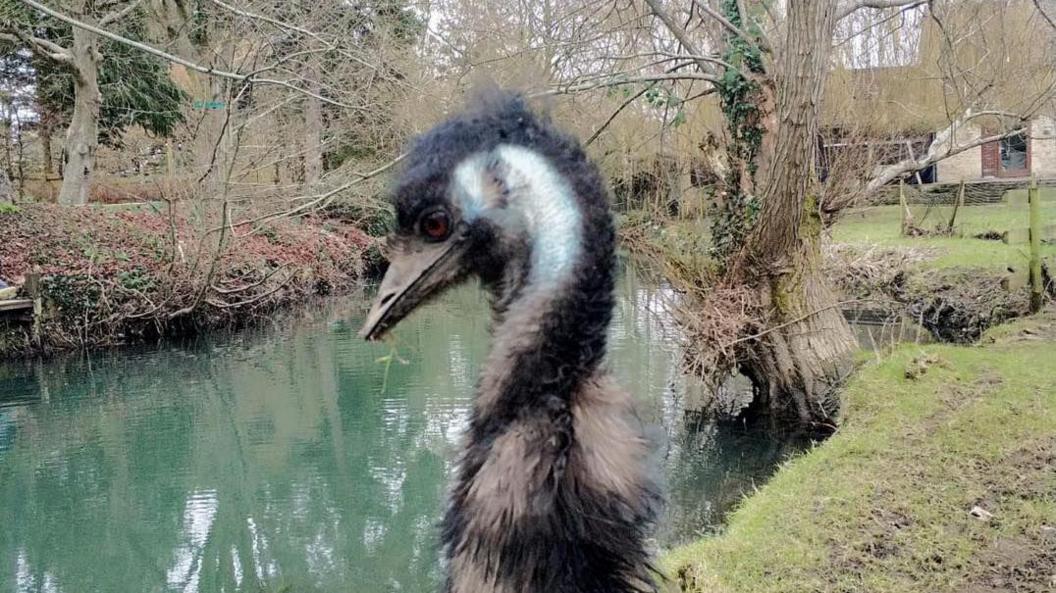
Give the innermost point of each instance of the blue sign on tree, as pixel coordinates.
(208, 105)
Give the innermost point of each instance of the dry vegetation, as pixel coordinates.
(119, 275)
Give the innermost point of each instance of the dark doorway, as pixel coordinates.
(1015, 156)
(1009, 157)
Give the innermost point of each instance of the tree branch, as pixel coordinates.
(943, 147)
(678, 32)
(612, 117)
(850, 8)
(317, 200)
(1044, 15)
(176, 59)
(41, 47)
(713, 59)
(569, 89)
(120, 14)
(289, 27)
(760, 44)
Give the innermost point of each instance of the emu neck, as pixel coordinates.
(552, 309)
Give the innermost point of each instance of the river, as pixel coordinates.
(299, 458)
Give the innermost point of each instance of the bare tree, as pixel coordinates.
(772, 84)
(78, 54)
(7, 191)
(82, 57)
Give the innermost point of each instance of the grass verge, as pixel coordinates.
(879, 226)
(929, 436)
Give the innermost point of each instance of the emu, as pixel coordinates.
(552, 493)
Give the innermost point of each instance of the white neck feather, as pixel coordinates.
(539, 193)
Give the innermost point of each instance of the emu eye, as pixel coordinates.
(436, 225)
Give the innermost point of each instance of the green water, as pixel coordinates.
(291, 458)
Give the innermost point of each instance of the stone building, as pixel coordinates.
(1031, 153)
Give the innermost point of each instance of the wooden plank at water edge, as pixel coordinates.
(16, 305)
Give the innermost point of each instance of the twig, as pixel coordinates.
(678, 32)
(267, 277)
(316, 199)
(120, 14)
(760, 44)
(793, 322)
(290, 27)
(579, 88)
(176, 59)
(259, 297)
(856, 6)
(1044, 15)
(612, 117)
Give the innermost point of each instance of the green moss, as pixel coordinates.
(812, 226)
(786, 295)
(884, 505)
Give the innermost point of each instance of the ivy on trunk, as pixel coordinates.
(768, 231)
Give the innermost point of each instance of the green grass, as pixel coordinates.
(880, 226)
(884, 504)
(686, 243)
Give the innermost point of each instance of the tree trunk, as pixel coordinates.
(313, 128)
(82, 137)
(802, 357)
(313, 139)
(47, 129)
(7, 191)
(5, 130)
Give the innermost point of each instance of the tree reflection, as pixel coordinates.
(274, 460)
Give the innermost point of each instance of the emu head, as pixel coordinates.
(480, 196)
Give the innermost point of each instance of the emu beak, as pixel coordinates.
(410, 280)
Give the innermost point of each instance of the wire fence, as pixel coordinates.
(994, 210)
(981, 192)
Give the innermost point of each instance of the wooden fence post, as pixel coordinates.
(903, 207)
(1037, 294)
(956, 206)
(33, 291)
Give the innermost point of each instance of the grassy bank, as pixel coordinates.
(880, 226)
(957, 286)
(941, 478)
(112, 275)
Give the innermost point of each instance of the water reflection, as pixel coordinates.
(297, 457)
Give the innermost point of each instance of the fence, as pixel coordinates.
(1012, 211)
(996, 210)
(983, 191)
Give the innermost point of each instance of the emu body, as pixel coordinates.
(553, 493)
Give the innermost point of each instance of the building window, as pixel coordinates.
(1014, 153)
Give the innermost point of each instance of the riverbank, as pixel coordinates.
(957, 287)
(112, 275)
(940, 479)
